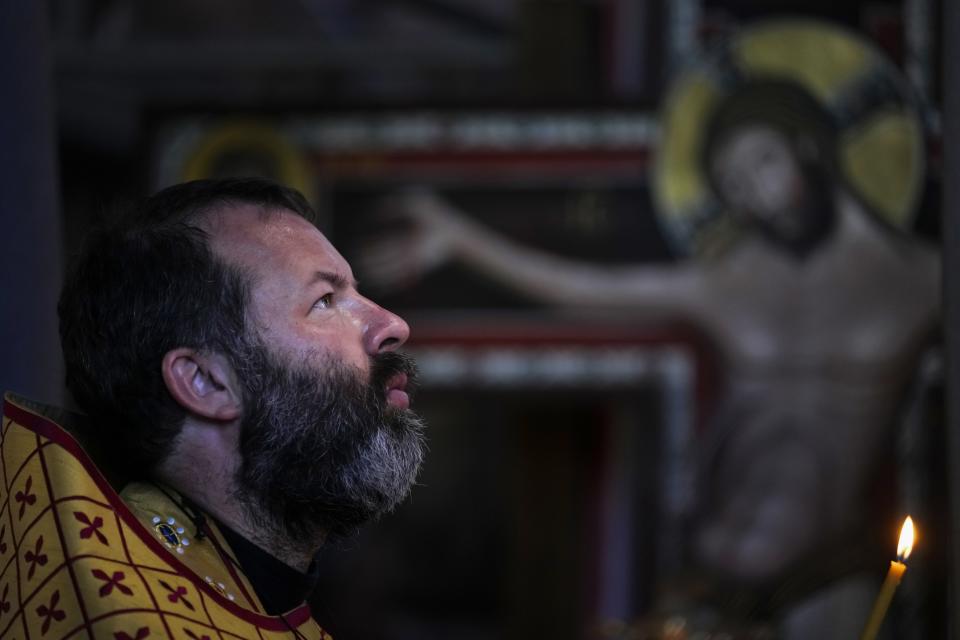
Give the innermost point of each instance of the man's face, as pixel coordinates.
(327, 439)
(304, 302)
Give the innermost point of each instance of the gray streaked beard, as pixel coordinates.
(321, 451)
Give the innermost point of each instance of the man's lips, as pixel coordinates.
(396, 391)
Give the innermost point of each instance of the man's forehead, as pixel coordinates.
(251, 236)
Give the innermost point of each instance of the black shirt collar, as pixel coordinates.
(279, 586)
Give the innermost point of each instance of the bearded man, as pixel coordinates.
(251, 403)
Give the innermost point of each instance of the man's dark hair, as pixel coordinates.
(143, 285)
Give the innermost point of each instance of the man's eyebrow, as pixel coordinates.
(336, 280)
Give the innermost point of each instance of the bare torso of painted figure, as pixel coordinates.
(817, 356)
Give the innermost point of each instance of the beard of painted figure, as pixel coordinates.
(321, 449)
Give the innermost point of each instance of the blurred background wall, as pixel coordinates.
(575, 438)
(31, 261)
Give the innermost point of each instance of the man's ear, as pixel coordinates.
(202, 383)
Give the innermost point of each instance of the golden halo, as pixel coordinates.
(249, 148)
(879, 143)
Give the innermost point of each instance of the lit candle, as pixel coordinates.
(897, 567)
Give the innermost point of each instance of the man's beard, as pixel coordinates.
(815, 210)
(321, 450)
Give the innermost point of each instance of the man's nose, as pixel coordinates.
(386, 331)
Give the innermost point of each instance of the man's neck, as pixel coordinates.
(262, 531)
(214, 491)
(254, 527)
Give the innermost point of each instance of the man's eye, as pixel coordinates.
(324, 303)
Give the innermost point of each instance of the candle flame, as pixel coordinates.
(905, 546)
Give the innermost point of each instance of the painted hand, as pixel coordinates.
(398, 260)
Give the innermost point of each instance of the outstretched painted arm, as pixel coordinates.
(443, 233)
